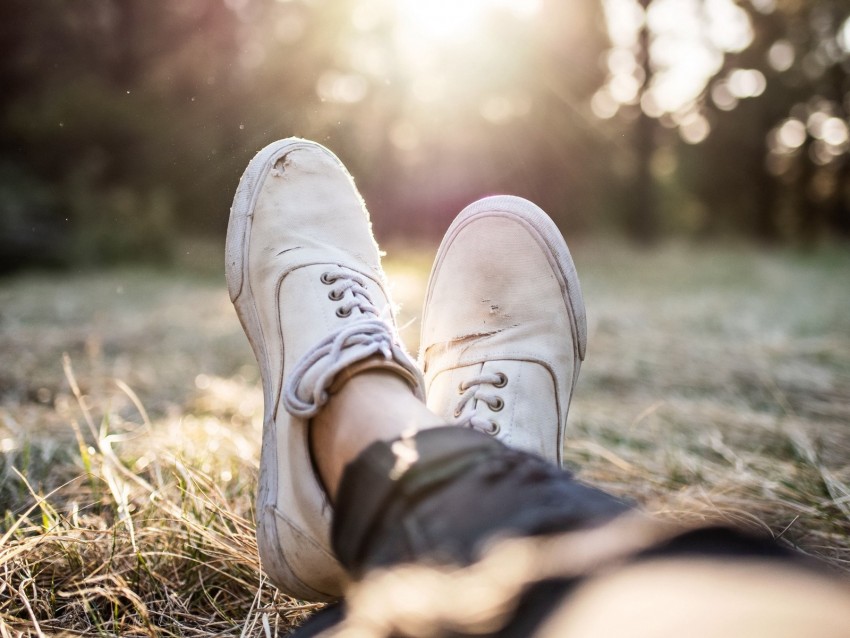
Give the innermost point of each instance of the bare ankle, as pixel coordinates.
(374, 405)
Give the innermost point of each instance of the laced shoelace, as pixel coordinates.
(472, 391)
(364, 336)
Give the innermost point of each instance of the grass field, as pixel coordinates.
(717, 384)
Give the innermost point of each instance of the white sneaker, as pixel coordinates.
(503, 329)
(305, 276)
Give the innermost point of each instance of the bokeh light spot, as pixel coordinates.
(603, 105)
(624, 88)
(764, 6)
(815, 123)
(834, 131)
(844, 36)
(649, 104)
(819, 153)
(791, 134)
(621, 61)
(694, 128)
(744, 83)
(624, 19)
(781, 55)
(729, 25)
(722, 96)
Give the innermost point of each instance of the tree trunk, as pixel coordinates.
(642, 222)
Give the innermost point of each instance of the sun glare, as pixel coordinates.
(439, 19)
(446, 21)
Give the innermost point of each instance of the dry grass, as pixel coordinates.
(717, 384)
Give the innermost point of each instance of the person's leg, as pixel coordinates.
(372, 406)
(443, 495)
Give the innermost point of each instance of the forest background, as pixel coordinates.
(125, 124)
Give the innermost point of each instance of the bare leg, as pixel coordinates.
(372, 406)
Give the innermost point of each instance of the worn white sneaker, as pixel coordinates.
(503, 329)
(305, 276)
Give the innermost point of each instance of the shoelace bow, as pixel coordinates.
(364, 336)
(466, 413)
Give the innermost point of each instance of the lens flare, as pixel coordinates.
(438, 21)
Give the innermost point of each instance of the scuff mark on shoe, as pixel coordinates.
(286, 250)
(473, 337)
(462, 343)
(280, 165)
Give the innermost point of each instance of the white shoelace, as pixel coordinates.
(466, 413)
(364, 336)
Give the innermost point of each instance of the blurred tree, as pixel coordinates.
(643, 222)
(95, 114)
(727, 77)
(808, 148)
(663, 56)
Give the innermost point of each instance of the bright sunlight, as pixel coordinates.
(445, 21)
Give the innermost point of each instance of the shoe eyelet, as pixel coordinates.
(499, 404)
(326, 278)
(460, 388)
(335, 295)
(503, 380)
(495, 428)
(457, 412)
(342, 312)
